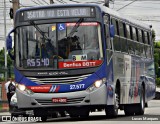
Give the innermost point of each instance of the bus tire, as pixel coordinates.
(140, 108)
(62, 113)
(112, 110)
(81, 113)
(128, 110)
(42, 113)
(73, 115)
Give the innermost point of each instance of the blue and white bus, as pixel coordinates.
(78, 58)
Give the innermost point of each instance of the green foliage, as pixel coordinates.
(158, 81)
(0, 107)
(156, 68)
(156, 57)
(157, 45)
(2, 62)
(1, 79)
(153, 35)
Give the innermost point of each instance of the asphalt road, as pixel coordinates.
(151, 113)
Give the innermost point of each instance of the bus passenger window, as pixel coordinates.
(142, 50)
(140, 35)
(137, 48)
(123, 40)
(121, 29)
(134, 34)
(149, 42)
(108, 41)
(148, 51)
(116, 43)
(145, 38)
(135, 38)
(131, 47)
(128, 32)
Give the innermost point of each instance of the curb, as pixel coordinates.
(4, 111)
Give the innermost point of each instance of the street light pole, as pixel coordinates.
(106, 3)
(15, 6)
(51, 1)
(5, 47)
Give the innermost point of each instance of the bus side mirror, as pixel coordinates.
(112, 31)
(9, 44)
(9, 40)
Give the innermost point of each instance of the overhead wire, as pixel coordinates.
(59, 1)
(126, 5)
(40, 2)
(45, 2)
(74, 1)
(35, 2)
(139, 6)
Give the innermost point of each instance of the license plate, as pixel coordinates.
(59, 100)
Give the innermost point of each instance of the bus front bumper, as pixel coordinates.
(79, 98)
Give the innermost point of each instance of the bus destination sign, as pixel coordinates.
(58, 13)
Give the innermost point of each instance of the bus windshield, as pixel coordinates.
(58, 45)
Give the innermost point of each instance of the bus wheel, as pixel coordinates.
(81, 113)
(72, 115)
(141, 106)
(62, 113)
(128, 110)
(112, 110)
(42, 113)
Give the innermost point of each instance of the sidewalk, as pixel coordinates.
(157, 89)
(4, 113)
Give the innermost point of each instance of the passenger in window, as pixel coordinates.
(44, 48)
(75, 44)
(44, 53)
(51, 50)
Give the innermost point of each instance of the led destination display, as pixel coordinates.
(58, 13)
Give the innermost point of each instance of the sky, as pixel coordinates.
(147, 11)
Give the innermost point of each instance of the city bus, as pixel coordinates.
(80, 58)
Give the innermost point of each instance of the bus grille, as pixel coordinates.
(69, 101)
(59, 80)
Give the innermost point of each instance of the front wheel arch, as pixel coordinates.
(112, 110)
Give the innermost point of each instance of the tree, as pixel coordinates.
(153, 35)
(2, 62)
(156, 57)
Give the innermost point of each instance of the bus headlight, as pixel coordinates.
(23, 88)
(96, 85)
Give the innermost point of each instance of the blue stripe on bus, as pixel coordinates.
(19, 78)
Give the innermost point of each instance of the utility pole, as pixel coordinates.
(15, 6)
(106, 3)
(5, 47)
(51, 1)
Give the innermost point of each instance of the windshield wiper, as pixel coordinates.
(74, 29)
(40, 31)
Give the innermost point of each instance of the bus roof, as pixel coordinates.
(124, 18)
(101, 7)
